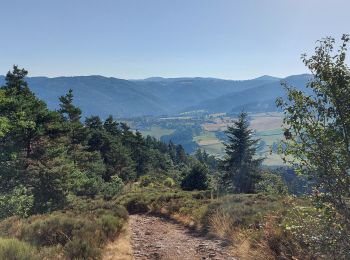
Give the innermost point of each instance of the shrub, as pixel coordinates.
(111, 225)
(271, 183)
(112, 188)
(196, 179)
(50, 230)
(83, 185)
(13, 249)
(11, 227)
(81, 248)
(96, 207)
(19, 202)
(169, 182)
(137, 205)
(321, 231)
(145, 181)
(79, 232)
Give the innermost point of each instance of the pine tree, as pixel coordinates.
(196, 178)
(111, 126)
(240, 163)
(72, 127)
(29, 149)
(181, 156)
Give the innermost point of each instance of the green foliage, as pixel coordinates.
(322, 231)
(52, 154)
(169, 182)
(196, 178)
(4, 121)
(240, 164)
(18, 202)
(271, 183)
(79, 232)
(318, 145)
(113, 187)
(52, 229)
(81, 248)
(83, 185)
(4, 126)
(145, 180)
(111, 225)
(204, 157)
(13, 249)
(137, 204)
(317, 137)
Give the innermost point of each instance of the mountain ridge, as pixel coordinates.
(156, 96)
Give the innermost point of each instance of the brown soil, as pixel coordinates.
(157, 238)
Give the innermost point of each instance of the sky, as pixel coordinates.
(134, 39)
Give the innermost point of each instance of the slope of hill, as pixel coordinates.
(99, 95)
(183, 92)
(258, 98)
(161, 96)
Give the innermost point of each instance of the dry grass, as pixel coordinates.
(120, 249)
(220, 223)
(246, 243)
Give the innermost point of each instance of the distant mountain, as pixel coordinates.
(98, 95)
(253, 98)
(267, 78)
(180, 93)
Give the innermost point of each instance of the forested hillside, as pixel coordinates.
(97, 95)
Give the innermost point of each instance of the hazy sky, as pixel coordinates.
(236, 39)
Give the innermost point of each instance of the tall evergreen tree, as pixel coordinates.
(181, 156)
(29, 148)
(240, 163)
(111, 126)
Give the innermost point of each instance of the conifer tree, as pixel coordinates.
(29, 148)
(181, 156)
(240, 163)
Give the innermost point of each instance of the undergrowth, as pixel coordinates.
(78, 232)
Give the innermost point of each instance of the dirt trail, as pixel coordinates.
(155, 238)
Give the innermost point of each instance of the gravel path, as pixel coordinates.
(156, 238)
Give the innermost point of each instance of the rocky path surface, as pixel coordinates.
(155, 238)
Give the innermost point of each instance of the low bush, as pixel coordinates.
(321, 231)
(271, 183)
(145, 180)
(82, 248)
(137, 205)
(112, 188)
(13, 249)
(78, 232)
(111, 225)
(169, 182)
(48, 230)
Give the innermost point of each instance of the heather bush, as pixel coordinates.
(13, 249)
(169, 182)
(110, 225)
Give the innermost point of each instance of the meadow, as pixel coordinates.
(267, 127)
